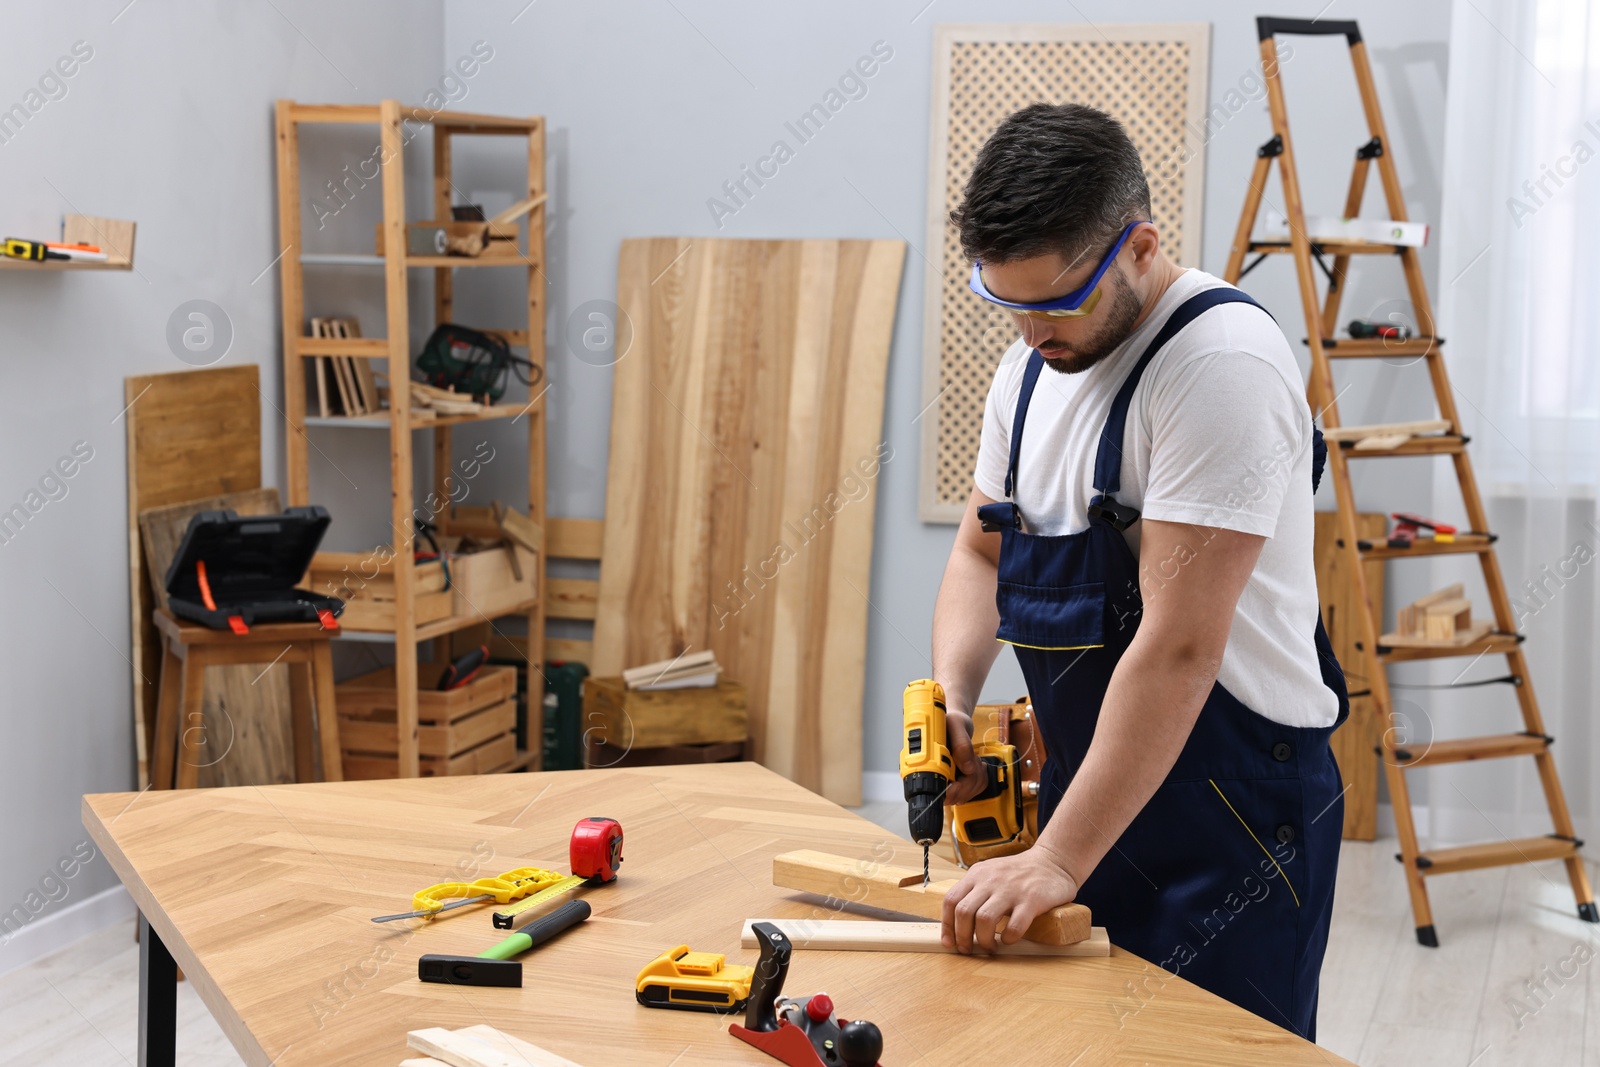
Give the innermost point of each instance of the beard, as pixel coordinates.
(1081, 355)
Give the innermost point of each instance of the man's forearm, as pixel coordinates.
(964, 623)
(1150, 707)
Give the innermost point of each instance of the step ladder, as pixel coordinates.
(1321, 318)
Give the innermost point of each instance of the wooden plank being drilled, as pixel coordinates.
(900, 889)
(867, 935)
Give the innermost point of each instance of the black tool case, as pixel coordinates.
(232, 572)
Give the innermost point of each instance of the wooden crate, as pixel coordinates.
(619, 717)
(483, 584)
(369, 602)
(461, 731)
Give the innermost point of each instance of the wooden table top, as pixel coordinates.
(264, 897)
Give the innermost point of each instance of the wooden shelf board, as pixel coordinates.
(1497, 854)
(1494, 643)
(451, 623)
(381, 422)
(1332, 248)
(1425, 547)
(361, 347)
(1376, 347)
(354, 259)
(1431, 445)
(7, 263)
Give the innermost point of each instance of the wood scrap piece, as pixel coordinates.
(351, 328)
(1381, 441)
(1476, 632)
(869, 935)
(517, 210)
(482, 1046)
(900, 889)
(1404, 429)
(1410, 617)
(516, 526)
(1444, 620)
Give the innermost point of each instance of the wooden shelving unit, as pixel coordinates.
(396, 347)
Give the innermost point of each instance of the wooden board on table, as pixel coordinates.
(746, 444)
(248, 739)
(1402, 430)
(191, 434)
(877, 935)
(483, 1046)
(1352, 743)
(900, 889)
(700, 841)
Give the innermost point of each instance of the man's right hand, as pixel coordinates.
(969, 783)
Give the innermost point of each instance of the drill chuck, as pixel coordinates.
(925, 805)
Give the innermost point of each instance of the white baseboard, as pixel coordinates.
(56, 930)
(879, 786)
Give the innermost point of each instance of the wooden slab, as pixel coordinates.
(869, 935)
(1386, 429)
(482, 1046)
(746, 446)
(1352, 743)
(1476, 632)
(277, 940)
(191, 435)
(900, 889)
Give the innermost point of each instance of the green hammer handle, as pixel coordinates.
(539, 931)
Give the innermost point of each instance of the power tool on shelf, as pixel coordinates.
(1408, 527)
(994, 817)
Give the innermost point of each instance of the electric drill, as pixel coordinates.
(995, 816)
(925, 764)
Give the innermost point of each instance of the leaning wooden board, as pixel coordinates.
(1353, 743)
(192, 434)
(248, 738)
(746, 444)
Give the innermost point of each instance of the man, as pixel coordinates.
(1146, 549)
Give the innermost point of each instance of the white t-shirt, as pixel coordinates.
(1218, 435)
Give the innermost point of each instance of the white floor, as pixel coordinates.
(1511, 982)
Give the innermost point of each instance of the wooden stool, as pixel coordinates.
(190, 649)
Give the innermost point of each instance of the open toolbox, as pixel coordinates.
(233, 572)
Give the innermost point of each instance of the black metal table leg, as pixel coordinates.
(158, 1000)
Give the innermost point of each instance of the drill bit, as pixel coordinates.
(925, 865)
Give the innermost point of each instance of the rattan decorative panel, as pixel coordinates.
(1152, 77)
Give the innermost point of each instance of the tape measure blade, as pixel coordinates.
(547, 893)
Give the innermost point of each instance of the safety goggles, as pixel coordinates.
(1075, 305)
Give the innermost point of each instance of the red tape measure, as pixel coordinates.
(596, 850)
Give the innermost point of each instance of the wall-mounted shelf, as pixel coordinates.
(114, 237)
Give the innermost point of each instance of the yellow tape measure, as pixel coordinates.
(503, 920)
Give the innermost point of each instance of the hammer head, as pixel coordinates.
(469, 970)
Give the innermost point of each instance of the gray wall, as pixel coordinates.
(652, 107)
(168, 123)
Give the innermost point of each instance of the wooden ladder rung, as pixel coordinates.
(1465, 749)
(1494, 643)
(1427, 546)
(1377, 347)
(1496, 854)
(1431, 445)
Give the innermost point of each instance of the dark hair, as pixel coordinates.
(1053, 178)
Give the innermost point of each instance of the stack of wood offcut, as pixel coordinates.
(345, 384)
(429, 401)
(697, 670)
(1441, 619)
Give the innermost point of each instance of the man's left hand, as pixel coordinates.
(1004, 894)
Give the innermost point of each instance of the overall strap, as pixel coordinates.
(1030, 378)
(1108, 460)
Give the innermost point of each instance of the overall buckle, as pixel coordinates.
(1000, 515)
(1120, 516)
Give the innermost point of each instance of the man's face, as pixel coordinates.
(1068, 346)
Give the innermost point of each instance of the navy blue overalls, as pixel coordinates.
(1226, 877)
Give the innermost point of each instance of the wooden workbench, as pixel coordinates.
(264, 897)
